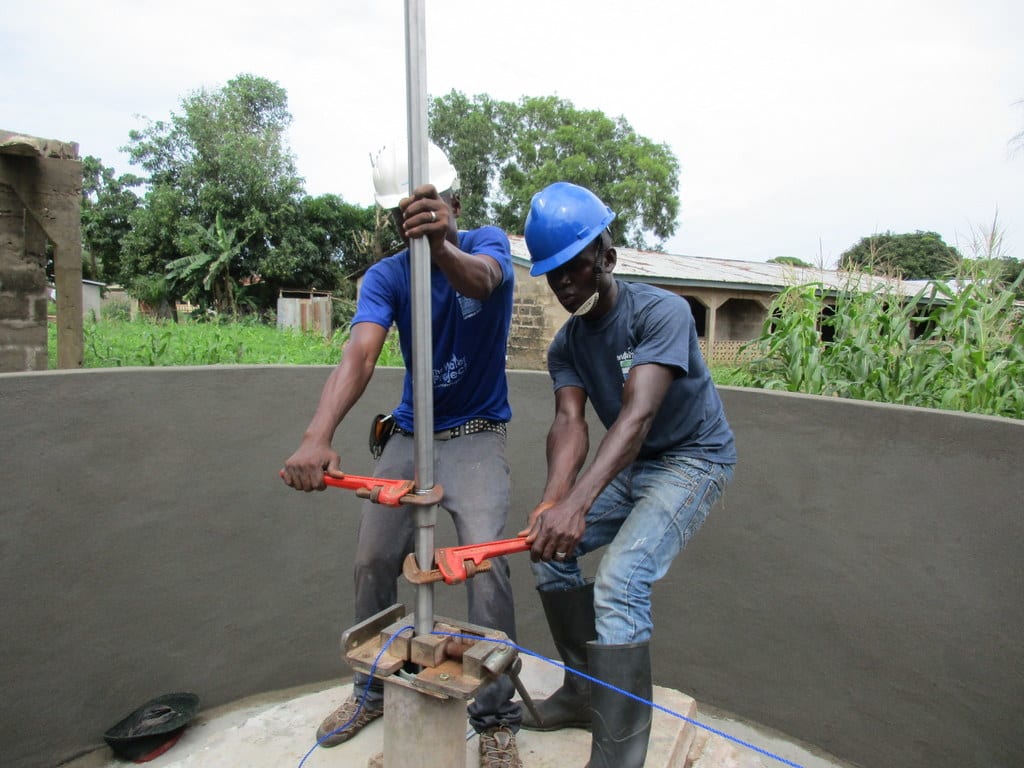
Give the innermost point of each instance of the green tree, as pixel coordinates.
(107, 207)
(158, 235)
(328, 225)
(916, 256)
(506, 152)
(468, 130)
(373, 243)
(223, 158)
(791, 261)
(1010, 274)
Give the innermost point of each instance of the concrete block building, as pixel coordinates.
(730, 299)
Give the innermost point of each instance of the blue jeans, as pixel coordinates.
(475, 476)
(646, 515)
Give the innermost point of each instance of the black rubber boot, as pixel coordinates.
(621, 725)
(570, 615)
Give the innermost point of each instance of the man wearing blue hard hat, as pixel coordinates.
(632, 351)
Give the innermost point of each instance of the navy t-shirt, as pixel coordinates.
(646, 325)
(470, 337)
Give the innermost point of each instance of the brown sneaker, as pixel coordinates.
(325, 734)
(498, 748)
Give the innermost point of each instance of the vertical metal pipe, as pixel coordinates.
(422, 351)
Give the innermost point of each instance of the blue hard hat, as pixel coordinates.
(564, 219)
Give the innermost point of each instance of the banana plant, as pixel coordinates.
(205, 275)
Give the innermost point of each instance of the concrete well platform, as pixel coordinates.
(277, 730)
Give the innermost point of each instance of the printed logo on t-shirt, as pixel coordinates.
(625, 362)
(449, 373)
(468, 306)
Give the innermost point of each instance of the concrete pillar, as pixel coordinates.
(40, 201)
(422, 731)
(22, 287)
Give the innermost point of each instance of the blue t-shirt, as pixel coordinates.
(646, 325)
(470, 337)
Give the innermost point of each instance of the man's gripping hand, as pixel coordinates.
(531, 523)
(304, 469)
(426, 214)
(554, 530)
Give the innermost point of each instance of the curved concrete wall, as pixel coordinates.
(859, 588)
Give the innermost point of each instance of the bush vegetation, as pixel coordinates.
(958, 350)
(941, 348)
(115, 343)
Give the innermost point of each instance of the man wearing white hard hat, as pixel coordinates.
(471, 306)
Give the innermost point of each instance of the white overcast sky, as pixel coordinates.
(799, 126)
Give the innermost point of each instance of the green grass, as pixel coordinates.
(967, 354)
(119, 343)
(729, 375)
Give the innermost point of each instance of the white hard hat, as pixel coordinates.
(391, 172)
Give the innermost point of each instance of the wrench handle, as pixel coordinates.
(451, 561)
(349, 482)
(479, 552)
(376, 489)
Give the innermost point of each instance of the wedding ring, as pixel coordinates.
(433, 216)
(560, 555)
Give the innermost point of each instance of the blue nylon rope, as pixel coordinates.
(362, 699)
(651, 704)
(564, 668)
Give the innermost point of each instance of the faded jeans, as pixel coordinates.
(474, 473)
(646, 515)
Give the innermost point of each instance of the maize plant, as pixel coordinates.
(957, 348)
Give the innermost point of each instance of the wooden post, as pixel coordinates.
(710, 329)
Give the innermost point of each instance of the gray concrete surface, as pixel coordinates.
(858, 588)
(276, 729)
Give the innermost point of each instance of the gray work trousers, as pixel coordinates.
(474, 473)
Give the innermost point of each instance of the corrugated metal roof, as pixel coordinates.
(699, 271)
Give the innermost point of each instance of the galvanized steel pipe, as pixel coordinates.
(422, 348)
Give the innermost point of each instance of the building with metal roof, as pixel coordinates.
(730, 299)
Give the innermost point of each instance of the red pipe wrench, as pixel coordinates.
(456, 564)
(379, 490)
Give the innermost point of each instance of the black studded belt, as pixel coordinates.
(471, 427)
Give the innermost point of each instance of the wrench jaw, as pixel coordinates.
(455, 569)
(389, 495)
(456, 564)
(382, 490)
(449, 571)
(416, 575)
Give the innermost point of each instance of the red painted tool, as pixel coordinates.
(381, 490)
(456, 564)
(377, 489)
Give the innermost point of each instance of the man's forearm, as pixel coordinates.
(342, 390)
(567, 449)
(616, 451)
(473, 275)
